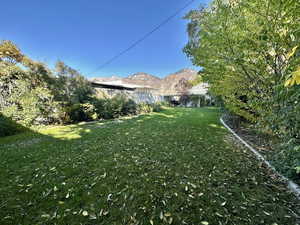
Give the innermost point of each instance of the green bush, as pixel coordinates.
(82, 112)
(283, 120)
(165, 104)
(129, 107)
(150, 107)
(9, 127)
(144, 108)
(287, 160)
(157, 107)
(62, 113)
(99, 109)
(99, 105)
(112, 107)
(117, 106)
(24, 102)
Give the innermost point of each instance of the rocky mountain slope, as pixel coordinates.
(143, 79)
(171, 84)
(178, 82)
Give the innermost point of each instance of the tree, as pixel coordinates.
(10, 53)
(25, 94)
(246, 48)
(72, 86)
(249, 51)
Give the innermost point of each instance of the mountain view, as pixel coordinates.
(172, 83)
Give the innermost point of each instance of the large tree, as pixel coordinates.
(72, 86)
(250, 54)
(25, 94)
(247, 48)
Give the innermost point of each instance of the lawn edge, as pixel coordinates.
(293, 187)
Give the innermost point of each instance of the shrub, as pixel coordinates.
(287, 160)
(129, 107)
(30, 106)
(117, 106)
(150, 107)
(99, 105)
(82, 112)
(165, 104)
(112, 107)
(144, 108)
(157, 107)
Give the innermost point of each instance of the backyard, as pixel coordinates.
(179, 166)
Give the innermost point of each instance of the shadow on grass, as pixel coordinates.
(65, 133)
(27, 136)
(8, 127)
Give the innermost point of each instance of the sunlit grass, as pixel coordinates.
(173, 167)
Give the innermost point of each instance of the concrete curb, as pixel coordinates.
(293, 187)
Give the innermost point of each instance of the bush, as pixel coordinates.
(117, 106)
(99, 105)
(82, 112)
(129, 107)
(148, 108)
(157, 107)
(144, 108)
(287, 160)
(9, 127)
(112, 107)
(98, 109)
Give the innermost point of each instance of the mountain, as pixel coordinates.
(143, 79)
(177, 82)
(106, 79)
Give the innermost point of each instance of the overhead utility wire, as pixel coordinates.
(142, 38)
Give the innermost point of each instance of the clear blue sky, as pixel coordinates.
(85, 34)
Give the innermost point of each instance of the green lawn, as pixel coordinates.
(173, 167)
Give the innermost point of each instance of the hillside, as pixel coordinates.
(178, 82)
(143, 79)
(172, 83)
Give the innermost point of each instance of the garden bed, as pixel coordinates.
(267, 145)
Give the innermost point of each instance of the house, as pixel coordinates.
(193, 97)
(138, 93)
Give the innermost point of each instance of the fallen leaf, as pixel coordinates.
(167, 214)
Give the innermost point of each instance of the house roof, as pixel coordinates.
(120, 84)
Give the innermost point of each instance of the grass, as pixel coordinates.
(173, 167)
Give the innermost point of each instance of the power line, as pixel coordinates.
(143, 37)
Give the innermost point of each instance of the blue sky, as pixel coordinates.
(85, 34)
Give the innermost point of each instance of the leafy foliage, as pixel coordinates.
(145, 108)
(82, 112)
(71, 86)
(118, 106)
(10, 53)
(249, 52)
(25, 94)
(32, 94)
(295, 79)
